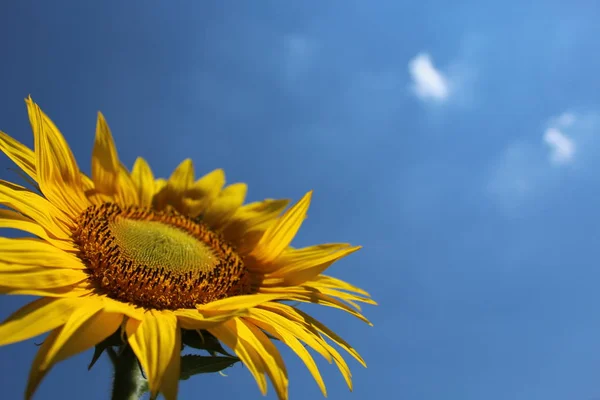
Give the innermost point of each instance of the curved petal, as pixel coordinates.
(265, 323)
(228, 334)
(335, 283)
(35, 374)
(20, 154)
(105, 161)
(225, 205)
(308, 294)
(195, 319)
(130, 310)
(85, 328)
(172, 194)
(36, 252)
(182, 178)
(314, 325)
(57, 172)
(280, 234)
(143, 179)
(14, 220)
(203, 192)
(36, 318)
(126, 190)
(284, 318)
(287, 312)
(66, 291)
(296, 266)
(37, 208)
(240, 302)
(274, 365)
(256, 216)
(156, 340)
(40, 278)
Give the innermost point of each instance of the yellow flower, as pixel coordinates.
(149, 257)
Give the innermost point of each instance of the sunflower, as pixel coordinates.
(150, 259)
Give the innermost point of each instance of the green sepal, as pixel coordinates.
(203, 340)
(112, 340)
(193, 365)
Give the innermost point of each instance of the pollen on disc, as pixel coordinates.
(158, 245)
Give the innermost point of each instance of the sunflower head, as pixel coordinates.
(123, 259)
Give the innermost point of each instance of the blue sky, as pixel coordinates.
(457, 142)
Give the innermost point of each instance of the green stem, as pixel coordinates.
(128, 384)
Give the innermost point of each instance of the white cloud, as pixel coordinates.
(428, 83)
(522, 171)
(561, 146)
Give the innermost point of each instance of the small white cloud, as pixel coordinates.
(428, 82)
(561, 146)
(522, 171)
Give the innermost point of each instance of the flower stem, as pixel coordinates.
(128, 384)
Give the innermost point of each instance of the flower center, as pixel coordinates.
(159, 260)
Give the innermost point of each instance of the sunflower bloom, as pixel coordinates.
(124, 252)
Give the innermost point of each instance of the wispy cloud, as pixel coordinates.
(298, 56)
(524, 168)
(428, 82)
(561, 146)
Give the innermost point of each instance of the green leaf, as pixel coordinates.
(203, 340)
(193, 365)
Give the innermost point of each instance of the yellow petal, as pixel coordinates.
(170, 384)
(315, 340)
(143, 180)
(155, 341)
(126, 190)
(105, 161)
(127, 309)
(256, 216)
(24, 157)
(182, 177)
(35, 373)
(14, 220)
(172, 194)
(228, 334)
(86, 327)
(266, 350)
(37, 208)
(67, 291)
(225, 205)
(203, 192)
(36, 252)
(57, 172)
(286, 318)
(194, 319)
(268, 325)
(280, 234)
(36, 318)
(240, 302)
(159, 185)
(332, 335)
(20, 154)
(335, 283)
(307, 294)
(298, 266)
(42, 278)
